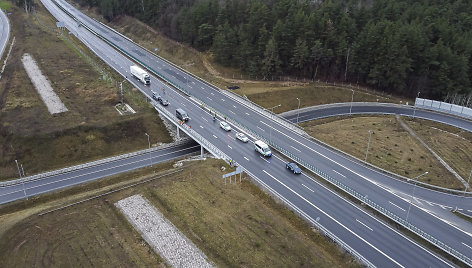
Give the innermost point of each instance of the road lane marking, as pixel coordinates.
(339, 173)
(183, 104)
(308, 188)
(264, 159)
(365, 225)
(201, 127)
(230, 147)
(209, 98)
(92, 172)
(215, 137)
(247, 114)
(212, 94)
(246, 158)
(260, 128)
(202, 87)
(231, 111)
(333, 219)
(396, 205)
(204, 118)
(466, 245)
(222, 99)
(295, 149)
(235, 107)
(429, 203)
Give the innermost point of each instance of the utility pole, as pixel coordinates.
(414, 186)
(298, 113)
(352, 100)
(149, 143)
(414, 104)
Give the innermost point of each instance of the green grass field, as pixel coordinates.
(5, 5)
(234, 225)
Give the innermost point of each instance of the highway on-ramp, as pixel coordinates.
(4, 32)
(377, 242)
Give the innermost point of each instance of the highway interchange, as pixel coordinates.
(378, 243)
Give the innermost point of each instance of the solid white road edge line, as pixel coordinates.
(333, 219)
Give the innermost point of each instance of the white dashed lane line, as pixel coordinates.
(215, 137)
(247, 114)
(230, 147)
(201, 127)
(209, 98)
(466, 245)
(246, 158)
(204, 119)
(260, 128)
(339, 173)
(265, 159)
(308, 188)
(395, 205)
(295, 149)
(234, 106)
(364, 225)
(231, 112)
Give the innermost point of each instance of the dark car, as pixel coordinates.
(163, 101)
(293, 167)
(233, 87)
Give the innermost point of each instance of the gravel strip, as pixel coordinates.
(42, 85)
(161, 234)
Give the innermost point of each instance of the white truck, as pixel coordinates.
(141, 74)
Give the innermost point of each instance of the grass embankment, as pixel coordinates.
(394, 149)
(91, 129)
(5, 5)
(234, 225)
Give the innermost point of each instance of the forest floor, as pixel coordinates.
(233, 224)
(91, 129)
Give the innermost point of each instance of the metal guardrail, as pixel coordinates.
(89, 164)
(467, 260)
(320, 227)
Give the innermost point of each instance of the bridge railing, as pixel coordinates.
(287, 153)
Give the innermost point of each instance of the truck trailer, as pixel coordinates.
(141, 74)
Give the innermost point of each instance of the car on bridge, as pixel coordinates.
(293, 167)
(242, 137)
(163, 101)
(225, 126)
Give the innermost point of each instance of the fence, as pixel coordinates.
(444, 107)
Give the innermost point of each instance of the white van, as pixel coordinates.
(262, 148)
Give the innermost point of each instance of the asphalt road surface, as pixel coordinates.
(369, 237)
(4, 32)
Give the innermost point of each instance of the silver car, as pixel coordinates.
(225, 126)
(242, 137)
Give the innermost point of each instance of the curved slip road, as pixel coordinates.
(4, 32)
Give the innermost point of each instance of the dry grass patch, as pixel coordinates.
(391, 147)
(91, 129)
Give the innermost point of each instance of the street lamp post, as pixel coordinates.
(149, 143)
(352, 100)
(272, 110)
(19, 172)
(468, 182)
(368, 145)
(414, 104)
(413, 193)
(121, 91)
(298, 113)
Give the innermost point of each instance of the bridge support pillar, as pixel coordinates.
(202, 151)
(178, 133)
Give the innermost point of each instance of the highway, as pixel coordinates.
(368, 236)
(94, 172)
(4, 32)
(337, 109)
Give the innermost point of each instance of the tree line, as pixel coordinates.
(399, 46)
